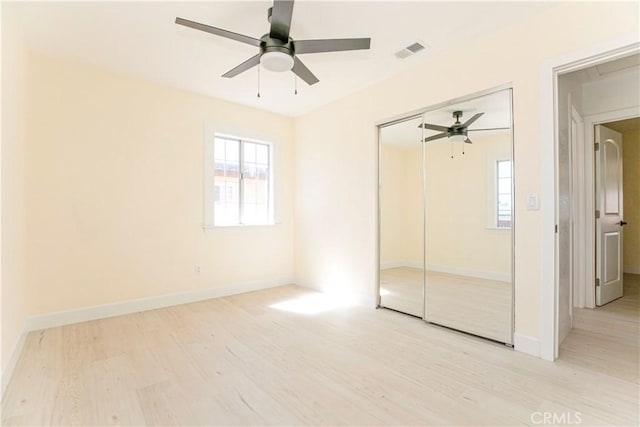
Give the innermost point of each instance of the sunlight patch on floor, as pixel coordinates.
(311, 304)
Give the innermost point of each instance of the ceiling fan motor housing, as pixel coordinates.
(275, 54)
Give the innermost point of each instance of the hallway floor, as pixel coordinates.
(607, 339)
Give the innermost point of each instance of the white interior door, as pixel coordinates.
(609, 224)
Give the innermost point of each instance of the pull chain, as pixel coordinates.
(258, 81)
(463, 146)
(451, 149)
(295, 83)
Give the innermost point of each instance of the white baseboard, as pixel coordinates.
(526, 344)
(397, 264)
(60, 318)
(489, 275)
(10, 366)
(632, 269)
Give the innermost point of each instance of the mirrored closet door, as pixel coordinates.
(469, 217)
(446, 216)
(401, 216)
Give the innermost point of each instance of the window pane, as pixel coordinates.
(226, 182)
(218, 149)
(256, 203)
(504, 208)
(249, 152)
(233, 150)
(504, 202)
(504, 186)
(262, 155)
(504, 169)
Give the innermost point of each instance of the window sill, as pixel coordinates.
(239, 226)
(493, 227)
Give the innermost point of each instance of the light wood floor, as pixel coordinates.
(478, 306)
(607, 339)
(241, 361)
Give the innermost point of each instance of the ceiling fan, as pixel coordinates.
(277, 50)
(456, 132)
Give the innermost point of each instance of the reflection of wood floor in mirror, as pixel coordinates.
(478, 306)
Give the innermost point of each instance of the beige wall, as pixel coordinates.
(14, 227)
(459, 235)
(114, 195)
(401, 206)
(335, 248)
(631, 209)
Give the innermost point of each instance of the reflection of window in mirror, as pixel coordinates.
(503, 208)
(499, 189)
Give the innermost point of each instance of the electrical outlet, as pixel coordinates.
(197, 268)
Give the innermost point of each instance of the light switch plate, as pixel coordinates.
(532, 202)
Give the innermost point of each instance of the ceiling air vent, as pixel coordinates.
(413, 48)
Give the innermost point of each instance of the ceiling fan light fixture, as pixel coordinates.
(276, 61)
(457, 137)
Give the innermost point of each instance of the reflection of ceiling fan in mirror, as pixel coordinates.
(457, 132)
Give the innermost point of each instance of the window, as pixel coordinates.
(242, 182)
(503, 195)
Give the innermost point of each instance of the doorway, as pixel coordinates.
(597, 215)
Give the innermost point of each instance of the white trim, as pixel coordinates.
(526, 344)
(490, 275)
(60, 318)
(397, 264)
(10, 366)
(548, 73)
(632, 269)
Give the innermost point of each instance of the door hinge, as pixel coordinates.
(556, 228)
(596, 146)
(597, 282)
(597, 214)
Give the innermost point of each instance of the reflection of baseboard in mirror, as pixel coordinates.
(446, 196)
(490, 275)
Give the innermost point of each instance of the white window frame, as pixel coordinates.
(209, 181)
(492, 192)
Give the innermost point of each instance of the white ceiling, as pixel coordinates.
(599, 72)
(497, 114)
(141, 39)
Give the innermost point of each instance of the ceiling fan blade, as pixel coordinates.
(477, 130)
(472, 119)
(434, 127)
(251, 62)
(281, 19)
(468, 141)
(219, 32)
(303, 72)
(330, 45)
(434, 137)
